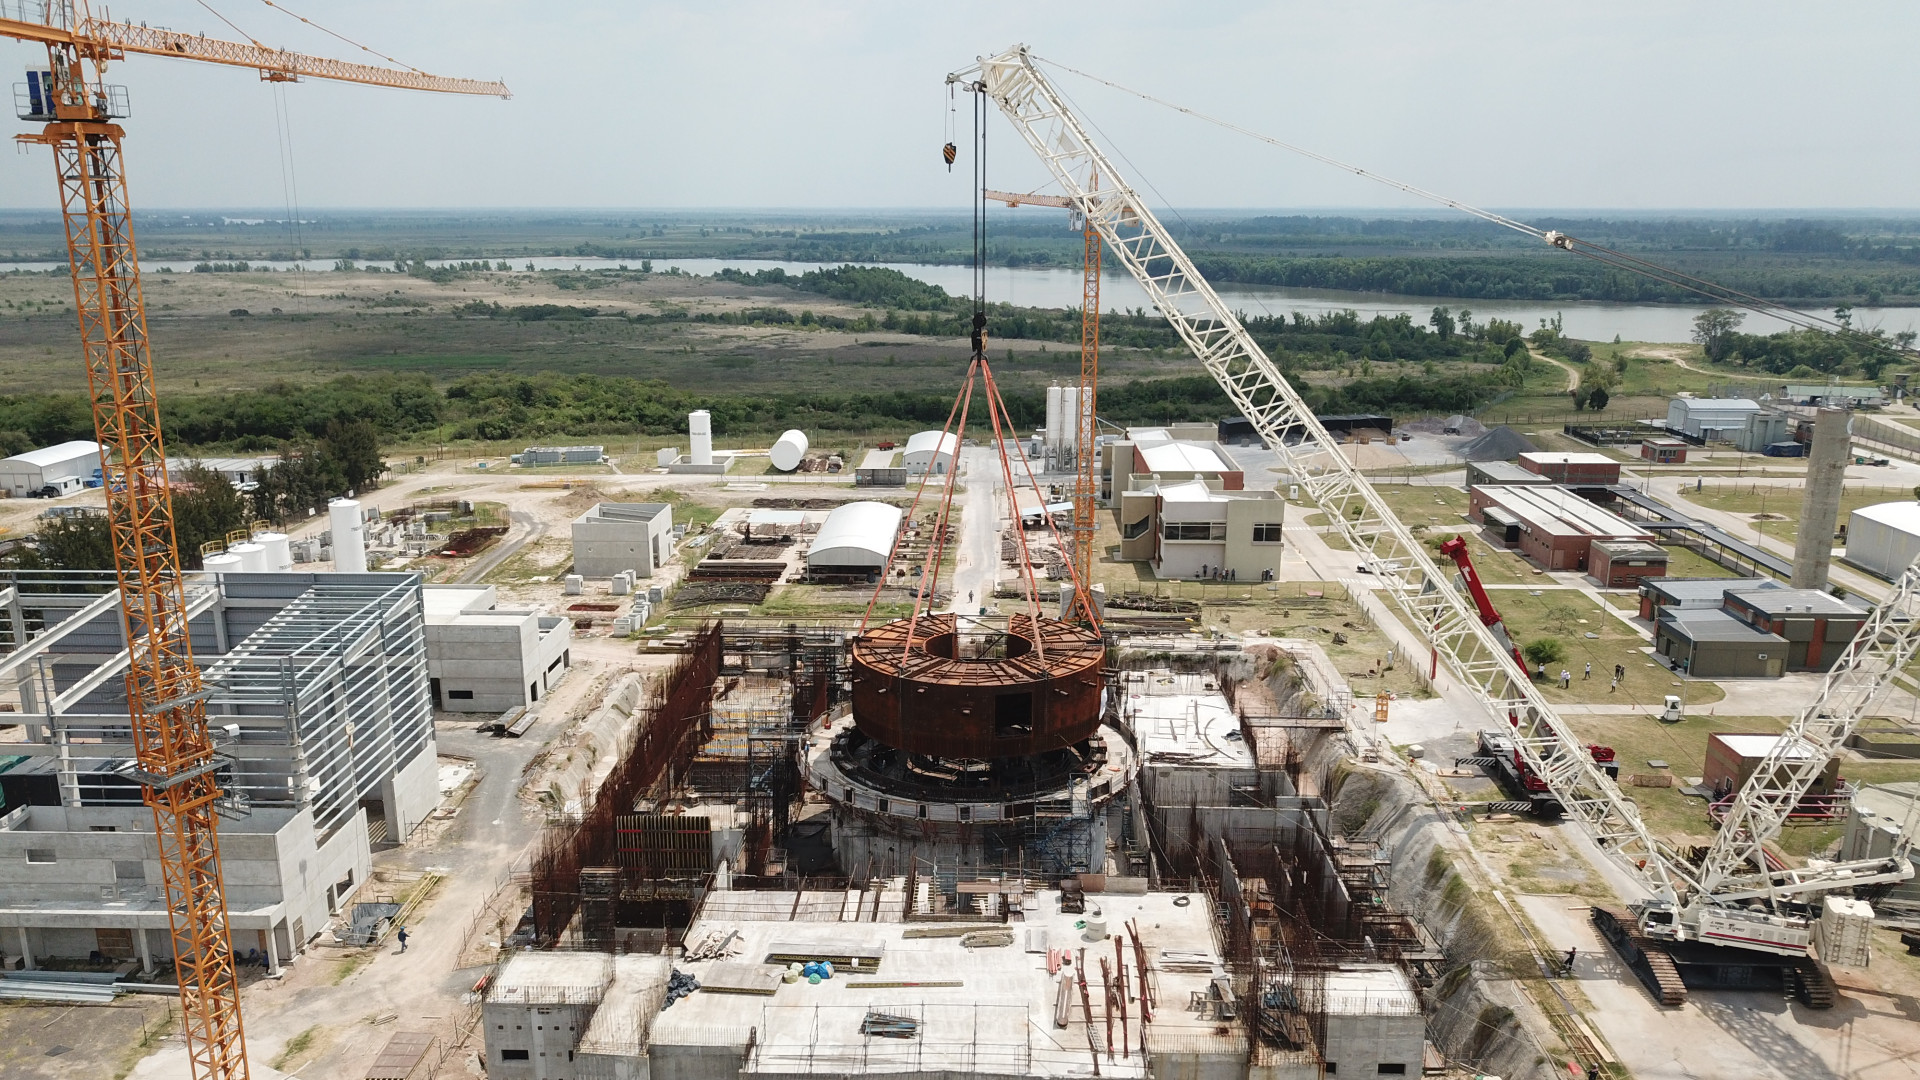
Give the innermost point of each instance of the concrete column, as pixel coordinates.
(141, 949)
(1820, 508)
(26, 950)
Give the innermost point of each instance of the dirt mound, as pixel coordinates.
(1501, 444)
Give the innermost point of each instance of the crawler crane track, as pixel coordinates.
(1648, 959)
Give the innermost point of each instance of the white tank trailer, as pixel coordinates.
(349, 536)
(700, 435)
(789, 450)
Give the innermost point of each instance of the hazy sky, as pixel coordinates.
(1530, 103)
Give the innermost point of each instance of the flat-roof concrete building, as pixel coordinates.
(613, 538)
(856, 535)
(1756, 631)
(1884, 539)
(1191, 529)
(321, 708)
(481, 658)
(23, 474)
(1502, 472)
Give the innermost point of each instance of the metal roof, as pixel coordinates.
(1559, 512)
(58, 454)
(1797, 601)
(1182, 457)
(1705, 591)
(1730, 404)
(1903, 516)
(856, 534)
(924, 442)
(1561, 457)
(1712, 624)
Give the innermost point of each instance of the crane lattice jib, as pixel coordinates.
(101, 40)
(1735, 867)
(1401, 564)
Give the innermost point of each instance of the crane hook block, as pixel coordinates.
(950, 152)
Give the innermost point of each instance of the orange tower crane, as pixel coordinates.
(177, 761)
(1086, 491)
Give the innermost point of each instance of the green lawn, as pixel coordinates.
(1567, 616)
(1684, 562)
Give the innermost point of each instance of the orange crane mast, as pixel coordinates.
(176, 760)
(1086, 491)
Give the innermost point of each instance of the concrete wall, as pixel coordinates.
(607, 545)
(546, 1034)
(1359, 1045)
(480, 661)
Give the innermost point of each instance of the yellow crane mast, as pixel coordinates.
(177, 761)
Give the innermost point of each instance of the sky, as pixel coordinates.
(820, 104)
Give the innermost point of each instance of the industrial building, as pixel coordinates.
(1762, 431)
(1876, 819)
(1573, 470)
(1834, 396)
(1118, 463)
(486, 660)
(1659, 595)
(561, 455)
(321, 713)
(1502, 472)
(929, 452)
(1664, 451)
(25, 474)
(1762, 631)
(612, 538)
(1190, 529)
(857, 536)
(1710, 419)
(1556, 528)
(242, 472)
(1733, 757)
(1625, 563)
(1884, 539)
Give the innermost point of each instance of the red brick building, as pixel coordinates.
(1556, 528)
(1573, 470)
(1664, 451)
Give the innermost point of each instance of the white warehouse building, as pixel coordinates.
(856, 535)
(1710, 418)
(1884, 539)
(23, 474)
(920, 457)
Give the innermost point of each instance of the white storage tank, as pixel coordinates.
(279, 551)
(253, 557)
(790, 450)
(349, 536)
(1056, 407)
(1069, 417)
(221, 563)
(700, 437)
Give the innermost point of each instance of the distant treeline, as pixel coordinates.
(324, 420)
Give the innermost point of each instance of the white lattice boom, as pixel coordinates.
(1425, 594)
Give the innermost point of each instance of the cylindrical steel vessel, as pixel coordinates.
(978, 688)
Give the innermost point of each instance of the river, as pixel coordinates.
(1053, 287)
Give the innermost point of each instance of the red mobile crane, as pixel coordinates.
(1456, 549)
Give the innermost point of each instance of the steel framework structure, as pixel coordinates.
(166, 695)
(1410, 576)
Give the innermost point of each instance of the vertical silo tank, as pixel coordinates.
(700, 436)
(279, 551)
(349, 536)
(221, 563)
(253, 557)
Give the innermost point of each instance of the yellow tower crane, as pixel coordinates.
(177, 761)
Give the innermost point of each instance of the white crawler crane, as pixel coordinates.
(1731, 910)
